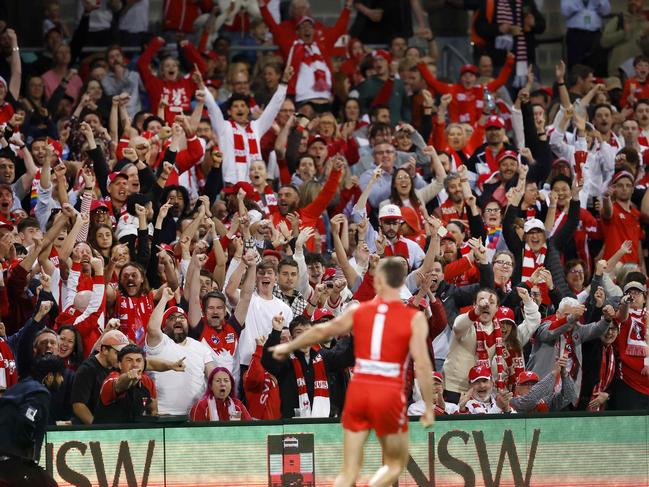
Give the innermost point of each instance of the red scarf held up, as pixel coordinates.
(515, 365)
(305, 54)
(531, 262)
(241, 154)
(483, 342)
(320, 406)
(400, 247)
(606, 372)
(636, 339)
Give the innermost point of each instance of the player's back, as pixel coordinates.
(382, 331)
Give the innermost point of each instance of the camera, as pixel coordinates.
(330, 285)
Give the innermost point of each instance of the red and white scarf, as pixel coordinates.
(532, 261)
(566, 347)
(606, 372)
(515, 365)
(399, 247)
(221, 410)
(636, 342)
(246, 147)
(483, 342)
(321, 406)
(269, 202)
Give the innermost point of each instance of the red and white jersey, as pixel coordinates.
(382, 334)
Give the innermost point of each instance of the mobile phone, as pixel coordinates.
(442, 232)
(330, 285)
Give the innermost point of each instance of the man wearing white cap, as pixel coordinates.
(390, 220)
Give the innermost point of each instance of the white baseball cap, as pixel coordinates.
(390, 212)
(533, 224)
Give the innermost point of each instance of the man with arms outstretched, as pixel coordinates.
(375, 397)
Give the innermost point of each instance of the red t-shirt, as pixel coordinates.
(108, 394)
(623, 225)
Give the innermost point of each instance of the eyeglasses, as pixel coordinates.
(503, 263)
(576, 271)
(535, 294)
(492, 210)
(402, 178)
(391, 222)
(176, 317)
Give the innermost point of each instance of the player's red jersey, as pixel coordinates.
(375, 398)
(382, 333)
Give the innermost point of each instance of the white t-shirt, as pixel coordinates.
(259, 322)
(178, 391)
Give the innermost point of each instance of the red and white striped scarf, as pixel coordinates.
(532, 261)
(505, 15)
(515, 365)
(636, 344)
(245, 152)
(321, 406)
(483, 342)
(606, 372)
(269, 202)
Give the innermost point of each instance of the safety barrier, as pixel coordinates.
(534, 450)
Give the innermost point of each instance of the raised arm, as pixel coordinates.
(154, 327)
(15, 65)
(240, 312)
(341, 254)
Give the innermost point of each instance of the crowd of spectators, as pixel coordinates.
(169, 214)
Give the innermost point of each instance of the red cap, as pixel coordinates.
(479, 372)
(508, 154)
(272, 252)
(527, 376)
(469, 68)
(314, 139)
(305, 18)
(495, 121)
(504, 313)
(114, 175)
(96, 204)
(147, 134)
(382, 53)
(169, 311)
(251, 193)
(167, 248)
(622, 174)
(7, 225)
(438, 377)
(320, 313)
(329, 274)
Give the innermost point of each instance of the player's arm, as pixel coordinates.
(423, 365)
(318, 334)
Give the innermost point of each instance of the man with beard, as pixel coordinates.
(208, 318)
(390, 220)
(484, 161)
(132, 303)
(621, 220)
(122, 80)
(453, 208)
(24, 412)
(167, 339)
(239, 137)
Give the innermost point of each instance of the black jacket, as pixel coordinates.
(24, 411)
(336, 360)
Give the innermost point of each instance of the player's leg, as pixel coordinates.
(353, 444)
(395, 459)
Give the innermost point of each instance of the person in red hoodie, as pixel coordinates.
(284, 33)
(170, 87)
(467, 104)
(260, 387)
